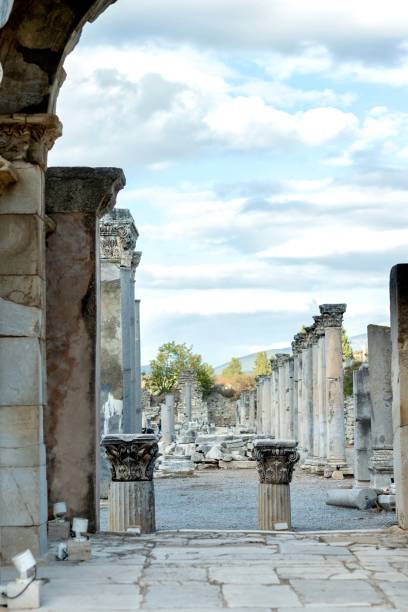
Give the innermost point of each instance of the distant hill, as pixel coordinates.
(248, 361)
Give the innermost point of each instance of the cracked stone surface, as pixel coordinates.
(213, 570)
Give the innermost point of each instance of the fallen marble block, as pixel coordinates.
(362, 499)
(387, 502)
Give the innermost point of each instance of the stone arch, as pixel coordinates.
(34, 42)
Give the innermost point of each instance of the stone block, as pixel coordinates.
(387, 502)
(25, 290)
(22, 245)
(179, 596)
(59, 530)
(332, 592)
(26, 195)
(396, 592)
(249, 596)
(21, 372)
(30, 456)
(79, 550)
(14, 539)
(23, 496)
(30, 599)
(19, 320)
(20, 426)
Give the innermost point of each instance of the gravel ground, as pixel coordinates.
(227, 499)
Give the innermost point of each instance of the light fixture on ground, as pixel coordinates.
(24, 593)
(60, 510)
(79, 526)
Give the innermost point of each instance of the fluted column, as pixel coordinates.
(332, 318)
(275, 462)
(131, 494)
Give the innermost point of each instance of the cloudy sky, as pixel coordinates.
(265, 145)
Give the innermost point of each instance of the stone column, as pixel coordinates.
(379, 359)
(267, 404)
(188, 401)
(282, 359)
(24, 144)
(399, 369)
(362, 428)
(290, 396)
(119, 260)
(316, 397)
(276, 404)
(332, 318)
(307, 396)
(320, 425)
(138, 370)
(258, 404)
(252, 409)
(131, 494)
(75, 199)
(275, 461)
(167, 419)
(295, 399)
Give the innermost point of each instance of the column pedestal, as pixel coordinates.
(275, 462)
(131, 496)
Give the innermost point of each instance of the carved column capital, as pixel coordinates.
(275, 460)
(131, 456)
(118, 237)
(281, 359)
(28, 137)
(332, 314)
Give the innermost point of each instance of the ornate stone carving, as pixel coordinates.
(8, 175)
(275, 460)
(28, 137)
(332, 314)
(118, 236)
(132, 456)
(298, 343)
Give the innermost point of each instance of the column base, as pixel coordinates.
(273, 505)
(131, 505)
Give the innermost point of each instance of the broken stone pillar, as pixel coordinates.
(167, 419)
(138, 369)
(379, 359)
(252, 410)
(362, 429)
(332, 319)
(307, 397)
(119, 262)
(275, 460)
(24, 144)
(131, 493)
(399, 370)
(258, 392)
(75, 199)
(266, 404)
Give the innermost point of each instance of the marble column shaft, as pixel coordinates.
(399, 373)
(332, 320)
(321, 384)
(290, 395)
(167, 419)
(138, 370)
(75, 199)
(24, 144)
(128, 348)
(276, 403)
(362, 428)
(379, 358)
(307, 400)
(316, 398)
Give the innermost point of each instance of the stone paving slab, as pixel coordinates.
(231, 570)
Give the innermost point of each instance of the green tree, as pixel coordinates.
(346, 346)
(172, 359)
(233, 368)
(262, 365)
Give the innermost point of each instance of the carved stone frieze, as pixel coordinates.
(28, 137)
(131, 456)
(332, 314)
(275, 460)
(118, 237)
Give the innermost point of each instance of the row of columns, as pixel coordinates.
(303, 396)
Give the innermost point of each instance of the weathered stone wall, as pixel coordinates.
(222, 411)
(199, 409)
(349, 421)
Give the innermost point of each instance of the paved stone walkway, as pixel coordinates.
(257, 571)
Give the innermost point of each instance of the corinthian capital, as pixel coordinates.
(275, 460)
(118, 237)
(332, 314)
(132, 456)
(28, 137)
